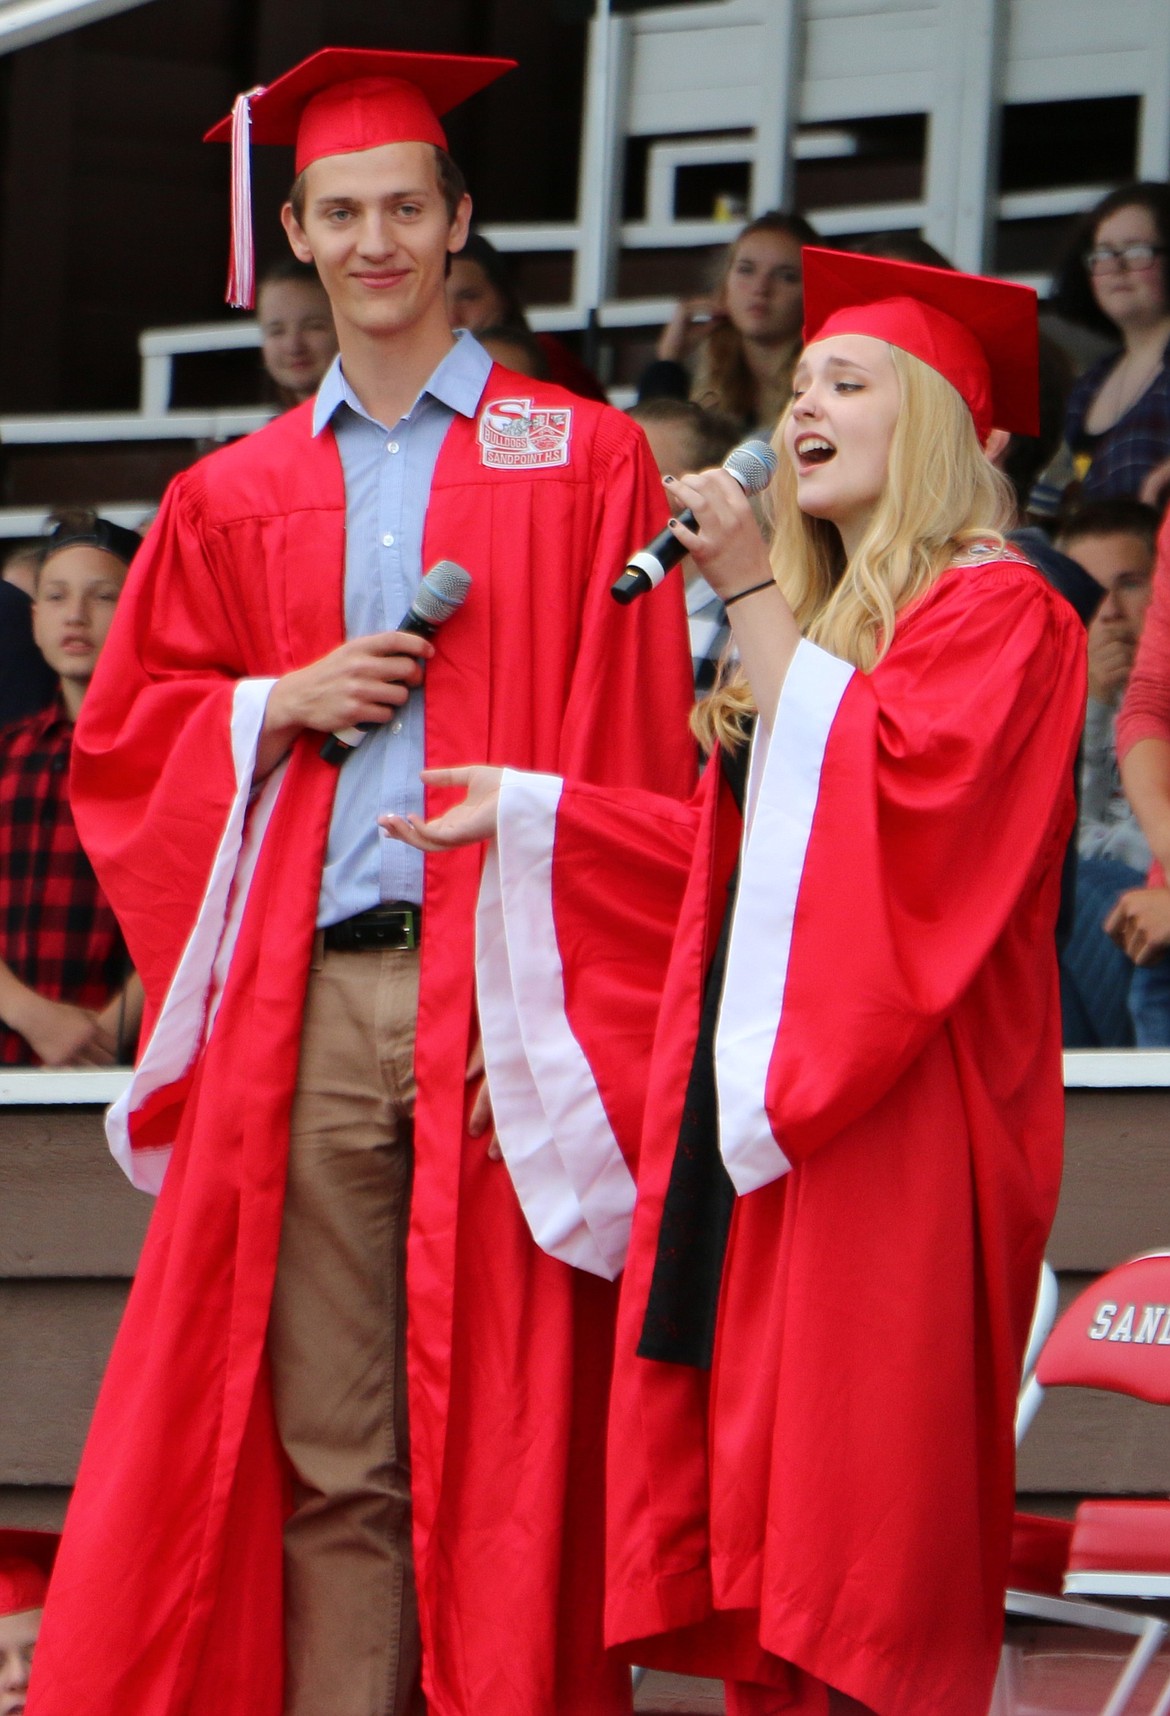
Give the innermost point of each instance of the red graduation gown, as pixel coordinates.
(167, 1592)
(832, 1502)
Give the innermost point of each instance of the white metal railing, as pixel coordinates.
(41, 1087)
(66, 428)
(24, 22)
(1084, 1069)
(1116, 1069)
(158, 348)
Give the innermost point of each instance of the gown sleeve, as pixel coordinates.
(1145, 708)
(627, 718)
(580, 894)
(162, 792)
(576, 920)
(895, 823)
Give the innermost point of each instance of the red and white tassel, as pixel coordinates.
(241, 289)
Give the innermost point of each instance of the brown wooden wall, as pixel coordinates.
(71, 1226)
(1114, 1203)
(70, 1230)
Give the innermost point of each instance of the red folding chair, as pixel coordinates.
(1114, 1336)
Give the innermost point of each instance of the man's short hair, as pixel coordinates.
(903, 247)
(289, 267)
(452, 184)
(712, 434)
(1119, 517)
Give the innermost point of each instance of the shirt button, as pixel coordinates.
(396, 726)
(392, 446)
(387, 541)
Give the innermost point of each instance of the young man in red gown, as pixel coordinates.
(343, 1354)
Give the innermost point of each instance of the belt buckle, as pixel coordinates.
(407, 931)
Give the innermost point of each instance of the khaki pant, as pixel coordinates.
(337, 1343)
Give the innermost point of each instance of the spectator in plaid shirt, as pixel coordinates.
(685, 437)
(64, 994)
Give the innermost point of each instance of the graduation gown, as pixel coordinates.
(167, 1595)
(830, 1503)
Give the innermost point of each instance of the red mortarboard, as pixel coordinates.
(336, 102)
(982, 335)
(26, 1560)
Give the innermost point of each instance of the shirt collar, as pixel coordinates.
(42, 721)
(457, 382)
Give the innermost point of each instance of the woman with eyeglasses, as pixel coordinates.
(1117, 428)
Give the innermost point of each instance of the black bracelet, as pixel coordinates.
(768, 584)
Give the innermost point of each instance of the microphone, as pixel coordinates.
(752, 465)
(443, 589)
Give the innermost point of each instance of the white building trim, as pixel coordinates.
(26, 22)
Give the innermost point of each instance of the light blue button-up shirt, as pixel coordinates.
(388, 474)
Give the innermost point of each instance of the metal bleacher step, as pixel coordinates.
(109, 427)
(119, 462)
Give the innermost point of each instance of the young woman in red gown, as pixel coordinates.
(839, 1095)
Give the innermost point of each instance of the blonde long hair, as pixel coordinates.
(942, 499)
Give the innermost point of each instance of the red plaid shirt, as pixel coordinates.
(57, 932)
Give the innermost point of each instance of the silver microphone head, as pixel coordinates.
(443, 589)
(753, 465)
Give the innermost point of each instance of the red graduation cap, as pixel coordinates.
(336, 102)
(26, 1560)
(981, 334)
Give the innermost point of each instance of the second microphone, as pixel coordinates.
(443, 589)
(752, 465)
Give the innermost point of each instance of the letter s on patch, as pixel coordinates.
(1102, 1322)
(515, 435)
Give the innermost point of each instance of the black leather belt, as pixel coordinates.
(398, 925)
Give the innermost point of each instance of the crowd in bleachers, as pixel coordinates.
(1091, 489)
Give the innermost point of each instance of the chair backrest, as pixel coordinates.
(1116, 1334)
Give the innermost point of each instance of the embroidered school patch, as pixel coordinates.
(512, 436)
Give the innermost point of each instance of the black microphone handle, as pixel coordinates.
(751, 465)
(339, 745)
(650, 565)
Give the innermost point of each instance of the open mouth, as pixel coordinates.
(814, 450)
